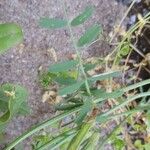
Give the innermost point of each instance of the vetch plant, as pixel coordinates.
(82, 99)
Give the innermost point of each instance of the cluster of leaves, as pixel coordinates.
(12, 97)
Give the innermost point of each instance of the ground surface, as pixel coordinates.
(20, 65)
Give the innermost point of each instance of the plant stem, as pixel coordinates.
(77, 51)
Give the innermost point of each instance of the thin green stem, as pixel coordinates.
(77, 51)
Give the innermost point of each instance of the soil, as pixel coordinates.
(20, 65)
(141, 7)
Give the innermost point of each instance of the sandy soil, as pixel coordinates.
(20, 65)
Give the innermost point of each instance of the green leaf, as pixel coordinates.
(63, 66)
(3, 106)
(3, 101)
(104, 76)
(46, 78)
(65, 80)
(88, 66)
(118, 144)
(97, 92)
(24, 109)
(114, 94)
(124, 50)
(85, 109)
(17, 95)
(86, 14)
(10, 35)
(70, 89)
(52, 23)
(138, 144)
(89, 36)
(147, 146)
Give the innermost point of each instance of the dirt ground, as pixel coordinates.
(20, 65)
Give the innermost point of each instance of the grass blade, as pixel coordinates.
(39, 127)
(136, 85)
(59, 140)
(105, 76)
(79, 137)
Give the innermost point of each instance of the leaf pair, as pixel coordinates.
(54, 23)
(90, 34)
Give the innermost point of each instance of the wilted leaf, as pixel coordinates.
(86, 14)
(63, 66)
(52, 23)
(10, 35)
(89, 36)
